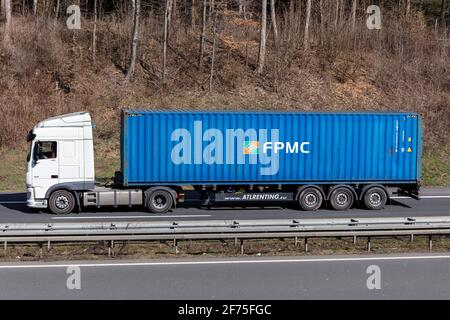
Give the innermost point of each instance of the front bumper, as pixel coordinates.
(35, 203)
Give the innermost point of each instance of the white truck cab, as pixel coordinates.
(61, 158)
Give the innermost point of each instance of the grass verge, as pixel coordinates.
(218, 249)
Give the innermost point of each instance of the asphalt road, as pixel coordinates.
(397, 277)
(436, 202)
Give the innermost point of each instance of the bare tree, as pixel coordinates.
(262, 37)
(213, 56)
(322, 22)
(94, 32)
(7, 9)
(58, 4)
(202, 35)
(167, 16)
(134, 41)
(336, 14)
(354, 6)
(308, 18)
(274, 21)
(193, 14)
(35, 4)
(443, 10)
(241, 7)
(408, 7)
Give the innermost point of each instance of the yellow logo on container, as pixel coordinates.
(251, 147)
(409, 150)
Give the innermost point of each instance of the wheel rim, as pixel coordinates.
(62, 202)
(342, 199)
(311, 199)
(375, 199)
(159, 201)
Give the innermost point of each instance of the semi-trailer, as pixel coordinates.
(208, 158)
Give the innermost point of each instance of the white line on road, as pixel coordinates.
(128, 217)
(175, 263)
(16, 202)
(422, 197)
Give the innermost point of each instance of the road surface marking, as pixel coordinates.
(421, 197)
(169, 263)
(16, 202)
(128, 217)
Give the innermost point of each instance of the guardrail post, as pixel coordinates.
(430, 242)
(110, 248)
(235, 242)
(412, 238)
(175, 245)
(242, 246)
(354, 239)
(368, 244)
(5, 245)
(40, 250)
(48, 245)
(306, 244)
(296, 241)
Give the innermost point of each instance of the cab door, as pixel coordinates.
(45, 166)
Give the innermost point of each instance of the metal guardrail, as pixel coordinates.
(222, 229)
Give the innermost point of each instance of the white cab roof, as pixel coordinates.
(76, 119)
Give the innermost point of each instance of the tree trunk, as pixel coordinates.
(167, 16)
(322, 23)
(202, 36)
(274, 22)
(193, 14)
(94, 32)
(35, 4)
(241, 7)
(354, 5)
(213, 56)
(174, 10)
(211, 9)
(58, 4)
(308, 18)
(336, 15)
(443, 11)
(136, 13)
(408, 7)
(7, 10)
(262, 37)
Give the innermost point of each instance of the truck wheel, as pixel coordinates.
(310, 199)
(61, 202)
(375, 198)
(341, 199)
(159, 201)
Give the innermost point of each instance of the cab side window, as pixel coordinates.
(46, 150)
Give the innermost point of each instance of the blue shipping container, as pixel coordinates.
(208, 148)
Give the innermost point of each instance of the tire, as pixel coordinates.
(61, 202)
(375, 198)
(159, 201)
(341, 199)
(310, 199)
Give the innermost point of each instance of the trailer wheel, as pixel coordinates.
(375, 198)
(61, 202)
(341, 199)
(310, 199)
(159, 201)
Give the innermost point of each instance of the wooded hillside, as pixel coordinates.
(60, 56)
